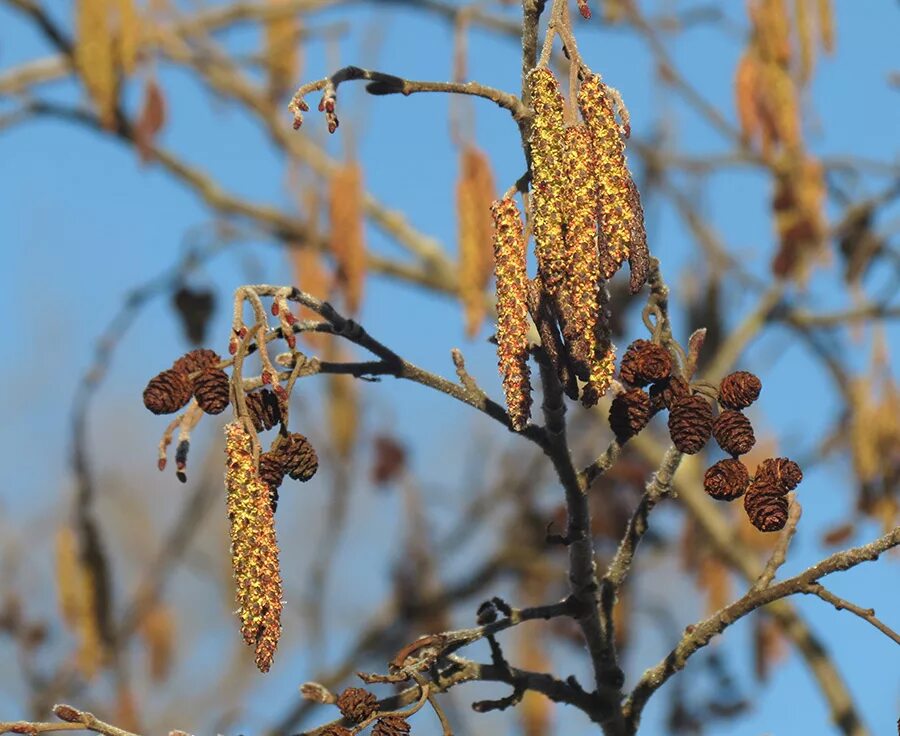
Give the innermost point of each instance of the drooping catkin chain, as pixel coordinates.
(512, 310)
(548, 177)
(620, 212)
(254, 548)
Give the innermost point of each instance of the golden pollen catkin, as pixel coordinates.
(95, 56)
(548, 177)
(347, 237)
(512, 310)
(254, 548)
(603, 365)
(621, 217)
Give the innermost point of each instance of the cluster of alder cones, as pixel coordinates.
(358, 705)
(692, 423)
(587, 220)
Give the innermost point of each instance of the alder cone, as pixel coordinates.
(766, 506)
(211, 389)
(357, 704)
(264, 409)
(336, 731)
(167, 392)
(733, 432)
(690, 424)
(663, 393)
(196, 360)
(780, 471)
(726, 480)
(271, 469)
(298, 457)
(645, 362)
(629, 413)
(391, 726)
(739, 389)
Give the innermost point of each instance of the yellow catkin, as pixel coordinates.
(342, 403)
(77, 600)
(826, 25)
(746, 83)
(254, 548)
(806, 39)
(621, 217)
(282, 51)
(157, 630)
(347, 236)
(604, 364)
(798, 205)
(474, 194)
(128, 34)
(512, 310)
(548, 177)
(95, 56)
(310, 275)
(577, 304)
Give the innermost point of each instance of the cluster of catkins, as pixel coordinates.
(692, 423)
(587, 220)
(252, 480)
(358, 705)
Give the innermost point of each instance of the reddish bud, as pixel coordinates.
(161, 463)
(275, 309)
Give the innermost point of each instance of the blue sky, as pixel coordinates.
(82, 222)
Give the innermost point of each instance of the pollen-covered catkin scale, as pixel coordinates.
(254, 548)
(512, 310)
(603, 365)
(620, 213)
(548, 177)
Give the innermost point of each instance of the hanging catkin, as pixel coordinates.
(95, 56)
(347, 237)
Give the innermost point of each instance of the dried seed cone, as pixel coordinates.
(765, 504)
(196, 360)
(726, 480)
(780, 471)
(391, 726)
(271, 469)
(167, 392)
(629, 413)
(739, 389)
(357, 704)
(512, 310)
(548, 177)
(733, 432)
(475, 191)
(264, 409)
(337, 731)
(645, 362)
(254, 547)
(298, 457)
(664, 393)
(211, 389)
(621, 216)
(690, 424)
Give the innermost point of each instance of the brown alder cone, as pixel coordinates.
(645, 362)
(271, 469)
(94, 56)
(196, 360)
(548, 178)
(620, 212)
(726, 480)
(347, 236)
(254, 547)
(211, 389)
(167, 392)
(356, 704)
(264, 409)
(282, 51)
(475, 191)
(733, 432)
(664, 393)
(780, 471)
(512, 310)
(690, 424)
(336, 731)
(391, 726)
(765, 504)
(739, 389)
(629, 413)
(298, 457)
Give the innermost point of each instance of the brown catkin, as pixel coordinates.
(282, 50)
(391, 726)
(739, 389)
(746, 84)
(211, 389)
(356, 704)
(157, 630)
(347, 236)
(512, 310)
(726, 480)
(551, 341)
(629, 413)
(621, 217)
(474, 194)
(733, 432)
(167, 392)
(254, 547)
(264, 409)
(690, 423)
(95, 56)
(548, 177)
